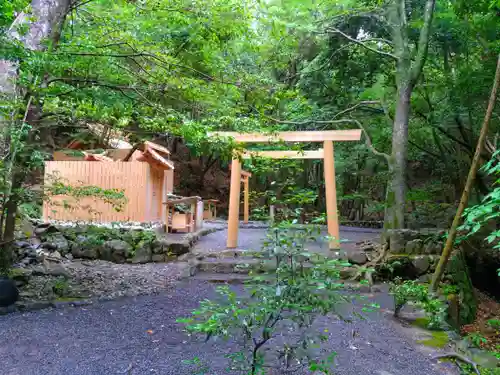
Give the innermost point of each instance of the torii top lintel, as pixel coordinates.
(293, 136)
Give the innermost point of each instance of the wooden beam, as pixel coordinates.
(299, 136)
(289, 154)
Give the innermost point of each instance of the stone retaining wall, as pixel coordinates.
(118, 245)
(413, 242)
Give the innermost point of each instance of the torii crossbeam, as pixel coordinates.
(327, 154)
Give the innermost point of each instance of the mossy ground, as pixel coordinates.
(438, 339)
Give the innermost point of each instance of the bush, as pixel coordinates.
(290, 298)
(411, 292)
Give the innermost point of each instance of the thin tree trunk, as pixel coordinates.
(445, 256)
(396, 191)
(44, 20)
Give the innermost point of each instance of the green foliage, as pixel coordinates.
(411, 291)
(60, 287)
(302, 287)
(95, 236)
(476, 339)
(75, 195)
(479, 216)
(494, 323)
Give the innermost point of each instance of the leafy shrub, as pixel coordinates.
(290, 298)
(411, 291)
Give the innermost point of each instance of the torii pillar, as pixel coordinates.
(234, 205)
(331, 195)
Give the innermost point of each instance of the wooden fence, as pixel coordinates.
(135, 178)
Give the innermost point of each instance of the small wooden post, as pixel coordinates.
(234, 205)
(246, 209)
(331, 195)
(194, 216)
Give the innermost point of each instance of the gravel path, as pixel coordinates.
(251, 239)
(110, 337)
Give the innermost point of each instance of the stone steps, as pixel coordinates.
(228, 265)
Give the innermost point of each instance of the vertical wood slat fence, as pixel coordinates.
(135, 178)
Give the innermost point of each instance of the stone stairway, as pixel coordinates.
(210, 260)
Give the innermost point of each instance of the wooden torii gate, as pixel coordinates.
(327, 137)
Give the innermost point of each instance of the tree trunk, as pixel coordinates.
(396, 189)
(44, 21)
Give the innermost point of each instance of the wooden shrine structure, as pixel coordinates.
(327, 154)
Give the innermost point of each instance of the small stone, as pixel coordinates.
(414, 247)
(357, 258)
(40, 256)
(421, 264)
(69, 256)
(55, 256)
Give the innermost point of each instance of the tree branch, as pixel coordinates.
(310, 122)
(423, 42)
(361, 43)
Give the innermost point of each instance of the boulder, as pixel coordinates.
(51, 269)
(357, 258)
(171, 246)
(427, 278)
(414, 247)
(83, 249)
(57, 242)
(8, 292)
(434, 248)
(21, 244)
(116, 251)
(347, 272)
(143, 253)
(158, 258)
(54, 256)
(45, 228)
(21, 276)
(421, 264)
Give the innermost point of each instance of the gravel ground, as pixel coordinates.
(251, 239)
(139, 335)
(111, 337)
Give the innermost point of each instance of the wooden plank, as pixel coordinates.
(289, 154)
(298, 136)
